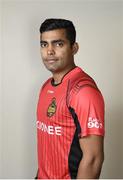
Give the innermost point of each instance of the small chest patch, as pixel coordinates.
(52, 108)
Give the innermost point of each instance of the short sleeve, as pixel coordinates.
(88, 104)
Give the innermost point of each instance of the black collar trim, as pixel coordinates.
(52, 80)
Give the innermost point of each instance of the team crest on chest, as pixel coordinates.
(52, 108)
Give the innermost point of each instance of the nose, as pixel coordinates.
(50, 50)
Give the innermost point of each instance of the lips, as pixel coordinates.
(51, 60)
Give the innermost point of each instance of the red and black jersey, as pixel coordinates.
(66, 112)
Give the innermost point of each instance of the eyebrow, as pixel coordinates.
(53, 41)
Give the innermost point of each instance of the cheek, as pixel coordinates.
(66, 54)
(43, 53)
(63, 53)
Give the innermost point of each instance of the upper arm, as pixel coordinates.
(88, 105)
(93, 156)
(92, 147)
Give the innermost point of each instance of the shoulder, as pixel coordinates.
(81, 79)
(84, 89)
(89, 92)
(87, 98)
(82, 83)
(46, 83)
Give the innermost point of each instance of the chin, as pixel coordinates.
(51, 69)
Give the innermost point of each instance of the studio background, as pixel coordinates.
(99, 25)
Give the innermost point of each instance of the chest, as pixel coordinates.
(52, 107)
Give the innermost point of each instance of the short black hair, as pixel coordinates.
(52, 24)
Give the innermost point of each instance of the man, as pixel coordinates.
(70, 111)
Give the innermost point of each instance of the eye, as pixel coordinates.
(43, 45)
(59, 44)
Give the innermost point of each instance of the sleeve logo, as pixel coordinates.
(94, 123)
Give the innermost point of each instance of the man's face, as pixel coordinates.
(56, 51)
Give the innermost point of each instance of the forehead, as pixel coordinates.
(53, 35)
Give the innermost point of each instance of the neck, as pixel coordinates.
(57, 76)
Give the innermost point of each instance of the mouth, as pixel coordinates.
(50, 60)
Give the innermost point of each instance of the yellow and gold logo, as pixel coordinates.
(52, 108)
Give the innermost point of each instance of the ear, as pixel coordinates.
(75, 48)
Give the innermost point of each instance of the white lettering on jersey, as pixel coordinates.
(94, 123)
(49, 129)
